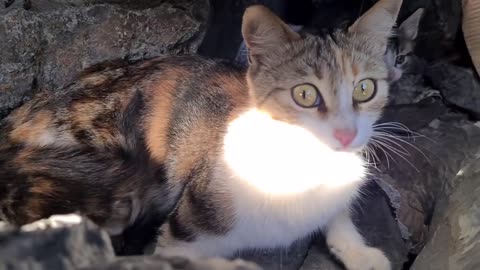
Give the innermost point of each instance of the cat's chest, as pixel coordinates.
(266, 220)
(283, 190)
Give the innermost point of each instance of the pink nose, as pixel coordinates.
(345, 136)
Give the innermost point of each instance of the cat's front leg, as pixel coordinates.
(346, 243)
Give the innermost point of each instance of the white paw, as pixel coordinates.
(362, 258)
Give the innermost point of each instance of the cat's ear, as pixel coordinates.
(262, 30)
(409, 27)
(378, 21)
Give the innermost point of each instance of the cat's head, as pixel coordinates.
(335, 85)
(401, 46)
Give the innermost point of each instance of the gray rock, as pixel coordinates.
(415, 183)
(454, 237)
(60, 242)
(47, 49)
(157, 262)
(414, 116)
(458, 85)
(320, 258)
(280, 258)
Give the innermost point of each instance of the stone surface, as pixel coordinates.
(48, 48)
(61, 242)
(414, 183)
(459, 86)
(287, 259)
(454, 237)
(160, 263)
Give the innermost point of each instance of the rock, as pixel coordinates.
(60, 242)
(319, 257)
(459, 86)
(47, 49)
(415, 183)
(454, 237)
(157, 262)
(287, 259)
(414, 116)
(375, 221)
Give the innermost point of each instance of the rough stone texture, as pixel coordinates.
(287, 259)
(454, 237)
(459, 86)
(65, 242)
(48, 48)
(61, 242)
(160, 263)
(414, 184)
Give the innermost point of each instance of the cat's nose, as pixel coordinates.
(345, 136)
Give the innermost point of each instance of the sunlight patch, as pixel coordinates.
(278, 158)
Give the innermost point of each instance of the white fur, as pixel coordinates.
(285, 184)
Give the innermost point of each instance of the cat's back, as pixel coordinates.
(96, 108)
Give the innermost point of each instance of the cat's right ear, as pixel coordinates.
(378, 21)
(409, 27)
(263, 31)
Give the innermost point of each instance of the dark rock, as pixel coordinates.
(287, 259)
(49, 48)
(454, 237)
(414, 116)
(319, 257)
(415, 182)
(157, 262)
(60, 242)
(375, 221)
(458, 85)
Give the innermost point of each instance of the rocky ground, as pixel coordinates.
(423, 209)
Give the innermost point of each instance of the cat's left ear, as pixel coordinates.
(263, 31)
(378, 21)
(409, 27)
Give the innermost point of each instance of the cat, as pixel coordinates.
(283, 162)
(397, 56)
(231, 160)
(401, 47)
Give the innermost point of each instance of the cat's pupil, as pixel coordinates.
(363, 87)
(304, 94)
(400, 59)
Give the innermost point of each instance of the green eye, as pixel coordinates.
(306, 95)
(364, 91)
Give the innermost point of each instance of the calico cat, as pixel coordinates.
(268, 166)
(398, 53)
(236, 160)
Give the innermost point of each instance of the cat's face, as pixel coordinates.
(401, 47)
(334, 86)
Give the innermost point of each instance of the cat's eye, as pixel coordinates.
(400, 60)
(306, 95)
(364, 91)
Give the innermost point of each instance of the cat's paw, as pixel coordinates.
(362, 258)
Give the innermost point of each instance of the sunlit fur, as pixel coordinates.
(282, 159)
